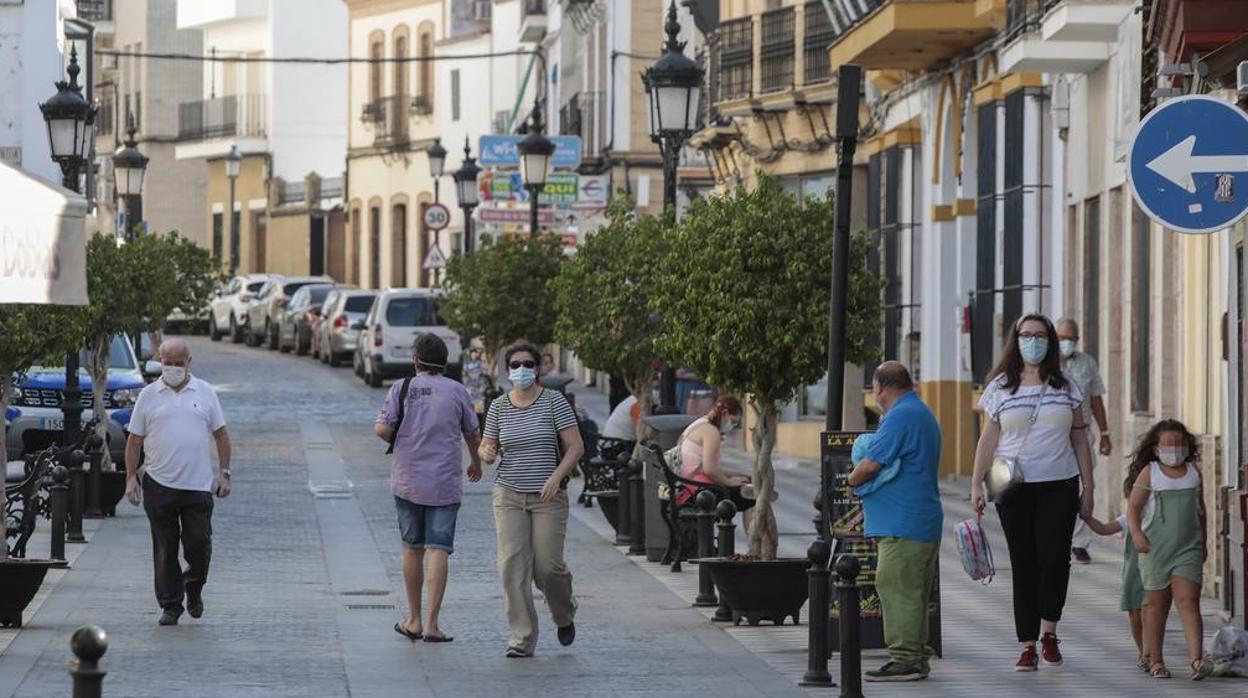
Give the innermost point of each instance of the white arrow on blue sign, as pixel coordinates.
(1187, 157)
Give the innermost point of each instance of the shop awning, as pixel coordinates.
(43, 242)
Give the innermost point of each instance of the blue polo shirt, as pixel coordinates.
(908, 506)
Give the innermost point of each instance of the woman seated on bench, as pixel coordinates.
(700, 446)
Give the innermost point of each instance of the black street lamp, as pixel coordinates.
(129, 166)
(69, 120)
(437, 165)
(232, 162)
(673, 85)
(536, 153)
(466, 190)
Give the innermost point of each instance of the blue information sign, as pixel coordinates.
(500, 151)
(1186, 160)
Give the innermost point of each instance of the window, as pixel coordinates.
(426, 67)
(875, 197)
(455, 95)
(358, 304)
(1141, 310)
(376, 52)
(983, 308)
(736, 59)
(817, 36)
(217, 236)
(413, 312)
(374, 246)
(777, 50)
(400, 66)
(398, 246)
(1014, 209)
(1091, 330)
(354, 270)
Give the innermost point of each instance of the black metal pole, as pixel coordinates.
(623, 506)
(437, 197)
(727, 540)
(847, 569)
(667, 378)
(706, 547)
(817, 674)
(849, 81)
(535, 191)
(71, 397)
(95, 480)
(467, 230)
(89, 644)
(77, 500)
(134, 203)
(637, 501)
(234, 243)
(60, 493)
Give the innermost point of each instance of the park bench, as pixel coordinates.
(679, 516)
(27, 497)
(601, 475)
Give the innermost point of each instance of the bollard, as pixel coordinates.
(727, 539)
(89, 643)
(77, 499)
(817, 674)
(637, 506)
(705, 500)
(847, 569)
(623, 506)
(60, 495)
(95, 479)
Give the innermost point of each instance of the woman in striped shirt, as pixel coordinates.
(532, 433)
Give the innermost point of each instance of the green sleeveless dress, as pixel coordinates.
(1132, 595)
(1174, 535)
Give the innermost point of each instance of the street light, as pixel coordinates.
(129, 166)
(536, 153)
(69, 120)
(673, 85)
(437, 165)
(466, 190)
(232, 162)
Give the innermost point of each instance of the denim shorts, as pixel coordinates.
(424, 526)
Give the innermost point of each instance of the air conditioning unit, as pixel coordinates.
(482, 10)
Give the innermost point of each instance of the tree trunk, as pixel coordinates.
(99, 387)
(763, 534)
(6, 388)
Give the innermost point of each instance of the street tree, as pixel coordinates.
(603, 297)
(195, 276)
(500, 293)
(745, 287)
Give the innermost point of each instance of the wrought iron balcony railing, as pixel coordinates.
(235, 115)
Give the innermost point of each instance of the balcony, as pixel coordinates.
(532, 21)
(1060, 36)
(224, 117)
(389, 117)
(905, 34)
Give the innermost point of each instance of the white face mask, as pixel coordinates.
(1068, 347)
(173, 375)
(1171, 455)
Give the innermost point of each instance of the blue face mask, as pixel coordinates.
(1033, 349)
(522, 377)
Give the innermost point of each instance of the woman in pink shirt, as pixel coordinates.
(700, 446)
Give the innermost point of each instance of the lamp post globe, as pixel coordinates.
(536, 153)
(69, 118)
(129, 164)
(673, 85)
(233, 160)
(437, 158)
(466, 191)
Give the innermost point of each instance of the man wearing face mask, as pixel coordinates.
(904, 517)
(1083, 370)
(174, 423)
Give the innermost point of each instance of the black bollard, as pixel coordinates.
(817, 674)
(59, 505)
(95, 479)
(637, 505)
(77, 498)
(705, 500)
(847, 569)
(727, 539)
(623, 506)
(89, 643)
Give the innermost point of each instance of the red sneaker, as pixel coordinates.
(1029, 660)
(1048, 647)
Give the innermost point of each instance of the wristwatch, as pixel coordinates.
(225, 472)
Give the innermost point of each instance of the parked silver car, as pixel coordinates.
(338, 335)
(227, 311)
(294, 322)
(274, 296)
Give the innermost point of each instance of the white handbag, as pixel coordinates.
(1007, 472)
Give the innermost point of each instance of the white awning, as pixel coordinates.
(43, 241)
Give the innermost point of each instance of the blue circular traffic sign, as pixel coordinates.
(1188, 164)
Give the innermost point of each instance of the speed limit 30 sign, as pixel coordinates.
(437, 217)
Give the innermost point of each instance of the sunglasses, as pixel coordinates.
(525, 364)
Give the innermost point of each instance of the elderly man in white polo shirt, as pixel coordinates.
(171, 424)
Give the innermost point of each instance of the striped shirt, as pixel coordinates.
(528, 439)
(1043, 449)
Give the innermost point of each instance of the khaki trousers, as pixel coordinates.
(530, 551)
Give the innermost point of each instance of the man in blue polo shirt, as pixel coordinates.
(904, 517)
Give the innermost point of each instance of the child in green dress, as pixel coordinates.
(1166, 516)
(1131, 598)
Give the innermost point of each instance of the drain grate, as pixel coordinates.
(370, 606)
(366, 592)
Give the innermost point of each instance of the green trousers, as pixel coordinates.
(905, 572)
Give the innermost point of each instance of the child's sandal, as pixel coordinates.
(1159, 671)
(1201, 669)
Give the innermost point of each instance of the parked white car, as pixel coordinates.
(384, 349)
(228, 310)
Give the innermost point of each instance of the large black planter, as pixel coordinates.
(20, 579)
(758, 590)
(112, 489)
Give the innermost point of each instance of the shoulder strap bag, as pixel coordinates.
(407, 382)
(1007, 472)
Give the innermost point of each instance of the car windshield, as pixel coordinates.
(255, 286)
(318, 294)
(290, 288)
(119, 356)
(359, 304)
(410, 312)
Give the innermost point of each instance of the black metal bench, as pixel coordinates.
(602, 476)
(680, 517)
(26, 500)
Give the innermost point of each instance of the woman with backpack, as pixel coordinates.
(1034, 434)
(532, 433)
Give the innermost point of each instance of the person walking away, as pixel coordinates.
(424, 418)
(1166, 514)
(532, 432)
(1083, 371)
(174, 424)
(1034, 416)
(1131, 596)
(904, 517)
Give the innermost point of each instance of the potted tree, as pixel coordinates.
(745, 281)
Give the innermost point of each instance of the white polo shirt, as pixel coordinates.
(177, 428)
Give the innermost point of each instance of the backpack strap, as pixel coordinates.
(407, 382)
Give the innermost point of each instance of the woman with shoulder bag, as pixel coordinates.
(1034, 453)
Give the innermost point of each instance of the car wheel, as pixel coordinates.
(270, 330)
(236, 332)
(281, 346)
(301, 348)
(373, 379)
(329, 357)
(212, 328)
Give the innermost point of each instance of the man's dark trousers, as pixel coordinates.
(178, 516)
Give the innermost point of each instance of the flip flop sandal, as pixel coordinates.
(1143, 664)
(1159, 671)
(414, 637)
(439, 638)
(1201, 669)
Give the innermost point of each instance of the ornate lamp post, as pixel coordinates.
(437, 165)
(673, 85)
(69, 120)
(232, 162)
(536, 153)
(466, 190)
(129, 166)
